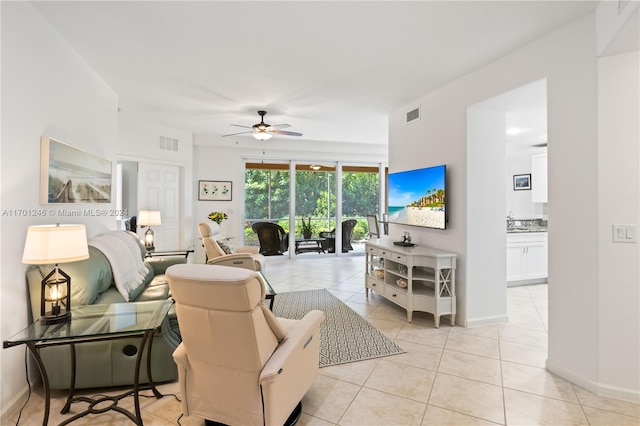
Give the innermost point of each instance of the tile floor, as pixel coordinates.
(448, 376)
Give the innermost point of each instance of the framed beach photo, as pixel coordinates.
(69, 175)
(214, 190)
(521, 182)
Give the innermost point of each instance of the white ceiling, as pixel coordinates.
(333, 70)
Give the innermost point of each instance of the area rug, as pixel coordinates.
(344, 335)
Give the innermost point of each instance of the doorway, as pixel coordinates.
(152, 186)
(487, 181)
(159, 189)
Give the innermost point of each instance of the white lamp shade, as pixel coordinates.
(262, 136)
(47, 244)
(149, 218)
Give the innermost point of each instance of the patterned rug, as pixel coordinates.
(344, 335)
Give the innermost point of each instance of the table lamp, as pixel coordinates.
(149, 218)
(55, 244)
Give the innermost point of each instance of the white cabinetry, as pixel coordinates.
(539, 178)
(527, 256)
(429, 275)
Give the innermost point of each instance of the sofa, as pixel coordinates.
(110, 363)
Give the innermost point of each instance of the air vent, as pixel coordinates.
(166, 143)
(413, 115)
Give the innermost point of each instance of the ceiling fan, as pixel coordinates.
(263, 131)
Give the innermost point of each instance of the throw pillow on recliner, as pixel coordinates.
(226, 246)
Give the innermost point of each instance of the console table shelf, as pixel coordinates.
(429, 274)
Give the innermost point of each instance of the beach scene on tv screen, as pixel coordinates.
(417, 197)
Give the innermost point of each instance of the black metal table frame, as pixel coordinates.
(167, 253)
(304, 249)
(147, 337)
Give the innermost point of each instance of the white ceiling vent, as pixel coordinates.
(413, 115)
(166, 143)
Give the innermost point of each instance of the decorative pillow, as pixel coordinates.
(226, 246)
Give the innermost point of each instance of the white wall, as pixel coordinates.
(486, 292)
(47, 89)
(519, 202)
(567, 59)
(619, 202)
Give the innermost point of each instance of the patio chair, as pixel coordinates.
(374, 228)
(273, 239)
(329, 244)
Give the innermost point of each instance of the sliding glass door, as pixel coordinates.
(267, 197)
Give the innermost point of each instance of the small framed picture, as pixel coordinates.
(521, 182)
(214, 190)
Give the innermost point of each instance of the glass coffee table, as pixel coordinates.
(304, 245)
(95, 323)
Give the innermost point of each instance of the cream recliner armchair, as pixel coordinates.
(245, 257)
(238, 364)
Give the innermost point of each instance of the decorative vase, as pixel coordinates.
(306, 234)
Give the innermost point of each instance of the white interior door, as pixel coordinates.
(159, 189)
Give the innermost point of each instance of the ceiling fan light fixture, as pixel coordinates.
(315, 167)
(262, 136)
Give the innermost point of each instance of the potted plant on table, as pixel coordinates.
(306, 229)
(217, 217)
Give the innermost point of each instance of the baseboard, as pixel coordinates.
(594, 387)
(14, 405)
(527, 282)
(477, 322)
(619, 393)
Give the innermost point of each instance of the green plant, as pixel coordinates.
(306, 228)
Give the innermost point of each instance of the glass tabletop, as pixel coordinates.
(97, 321)
(269, 290)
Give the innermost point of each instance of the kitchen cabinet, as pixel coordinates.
(527, 257)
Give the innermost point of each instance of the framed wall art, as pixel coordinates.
(214, 190)
(69, 175)
(521, 182)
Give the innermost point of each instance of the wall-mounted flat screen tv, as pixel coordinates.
(417, 197)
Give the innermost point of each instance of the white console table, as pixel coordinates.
(429, 274)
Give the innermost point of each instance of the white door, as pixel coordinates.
(159, 189)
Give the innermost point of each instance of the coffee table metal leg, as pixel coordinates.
(136, 378)
(45, 381)
(155, 391)
(72, 382)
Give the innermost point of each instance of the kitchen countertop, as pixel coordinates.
(519, 226)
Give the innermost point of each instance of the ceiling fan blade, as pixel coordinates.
(281, 126)
(239, 125)
(285, 132)
(233, 134)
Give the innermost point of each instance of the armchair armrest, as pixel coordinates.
(248, 249)
(292, 368)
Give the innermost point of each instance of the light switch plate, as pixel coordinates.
(625, 233)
